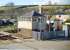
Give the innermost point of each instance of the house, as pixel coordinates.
(26, 21)
(38, 22)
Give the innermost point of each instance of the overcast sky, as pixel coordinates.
(32, 2)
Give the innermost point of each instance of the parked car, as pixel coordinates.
(7, 21)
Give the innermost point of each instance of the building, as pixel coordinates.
(27, 22)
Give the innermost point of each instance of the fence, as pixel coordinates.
(48, 35)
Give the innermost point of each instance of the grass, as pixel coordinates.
(24, 33)
(6, 28)
(5, 42)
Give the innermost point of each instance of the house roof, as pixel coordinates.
(28, 14)
(59, 13)
(32, 14)
(37, 14)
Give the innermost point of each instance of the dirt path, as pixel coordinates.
(31, 44)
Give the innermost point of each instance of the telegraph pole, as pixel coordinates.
(40, 8)
(40, 17)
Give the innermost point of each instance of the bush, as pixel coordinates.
(12, 31)
(67, 21)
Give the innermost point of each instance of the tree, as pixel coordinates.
(11, 4)
(49, 3)
(67, 7)
(67, 21)
(11, 9)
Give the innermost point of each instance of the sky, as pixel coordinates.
(33, 2)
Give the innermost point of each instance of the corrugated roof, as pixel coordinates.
(32, 14)
(28, 14)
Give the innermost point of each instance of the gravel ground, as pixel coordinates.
(31, 44)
